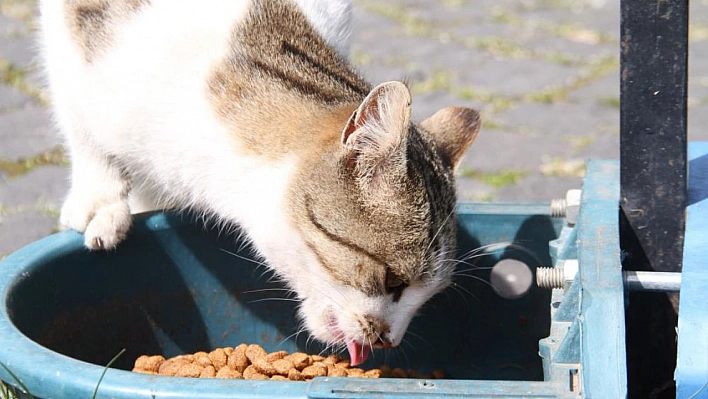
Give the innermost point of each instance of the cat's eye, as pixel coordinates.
(394, 283)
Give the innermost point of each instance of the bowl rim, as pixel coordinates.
(46, 373)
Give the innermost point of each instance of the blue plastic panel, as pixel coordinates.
(692, 362)
(602, 330)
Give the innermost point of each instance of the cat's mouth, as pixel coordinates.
(358, 352)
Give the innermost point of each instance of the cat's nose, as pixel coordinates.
(379, 332)
(384, 341)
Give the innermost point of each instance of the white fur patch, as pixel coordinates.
(332, 19)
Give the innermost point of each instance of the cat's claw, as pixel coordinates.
(104, 226)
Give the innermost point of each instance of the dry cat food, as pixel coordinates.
(252, 362)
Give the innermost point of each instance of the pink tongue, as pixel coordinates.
(357, 353)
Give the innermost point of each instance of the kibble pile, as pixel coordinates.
(252, 362)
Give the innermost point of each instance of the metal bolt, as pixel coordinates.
(567, 207)
(549, 277)
(556, 277)
(558, 208)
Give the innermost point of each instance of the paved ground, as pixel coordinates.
(544, 73)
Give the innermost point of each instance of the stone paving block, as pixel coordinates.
(11, 98)
(511, 78)
(425, 105)
(698, 11)
(45, 186)
(367, 26)
(448, 12)
(473, 190)
(599, 16)
(20, 229)
(603, 146)
(468, 29)
(698, 123)
(497, 149)
(538, 188)
(567, 50)
(12, 28)
(376, 72)
(18, 49)
(601, 91)
(533, 41)
(555, 121)
(401, 50)
(25, 132)
(698, 71)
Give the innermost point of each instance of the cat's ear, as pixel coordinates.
(374, 138)
(453, 129)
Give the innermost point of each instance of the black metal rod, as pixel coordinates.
(652, 281)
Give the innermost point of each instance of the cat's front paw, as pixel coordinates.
(104, 225)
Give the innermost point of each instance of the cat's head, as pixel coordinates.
(378, 221)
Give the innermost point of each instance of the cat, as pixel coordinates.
(247, 111)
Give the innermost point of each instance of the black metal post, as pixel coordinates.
(654, 61)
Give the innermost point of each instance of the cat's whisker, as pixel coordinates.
(371, 346)
(425, 341)
(289, 291)
(275, 278)
(243, 242)
(472, 269)
(295, 334)
(275, 299)
(246, 258)
(447, 295)
(301, 330)
(507, 246)
(467, 263)
(440, 228)
(455, 287)
(488, 248)
(326, 348)
(337, 348)
(408, 343)
(331, 299)
(308, 342)
(403, 352)
(474, 256)
(271, 278)
(468, 292)
(475, 278)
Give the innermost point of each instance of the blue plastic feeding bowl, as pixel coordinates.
(176, 287)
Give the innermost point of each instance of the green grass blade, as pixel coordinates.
(22, 386)
(95, 391)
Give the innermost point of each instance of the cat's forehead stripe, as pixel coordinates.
(344, 77)
(279, 68)
(334, 237)
(279, 41)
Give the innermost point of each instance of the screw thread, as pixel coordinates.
(550, 277)
(558, 208)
